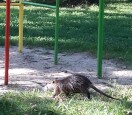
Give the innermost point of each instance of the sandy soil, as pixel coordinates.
(35, 66)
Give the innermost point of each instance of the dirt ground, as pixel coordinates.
(34, 68)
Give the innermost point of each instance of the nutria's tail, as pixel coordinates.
(96, 89)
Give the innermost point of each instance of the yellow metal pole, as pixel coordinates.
(21, 11)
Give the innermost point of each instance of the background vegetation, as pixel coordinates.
(70, 2)
(78, 29)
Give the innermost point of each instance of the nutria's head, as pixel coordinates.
(55, 80)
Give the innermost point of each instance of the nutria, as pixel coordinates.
(75, 83)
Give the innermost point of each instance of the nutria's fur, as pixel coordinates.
(75, 83)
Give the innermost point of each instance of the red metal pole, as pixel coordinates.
(7, 40)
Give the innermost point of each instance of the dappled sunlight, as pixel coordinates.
(75, 13)
(1, 61)
(17, 71)
(124, 8)
(2, 71)
(123, 73)
(94, 8)
(117, 75)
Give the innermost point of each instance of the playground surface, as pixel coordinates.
(35, 67)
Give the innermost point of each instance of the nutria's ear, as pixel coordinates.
(53, 81)
(65, 71)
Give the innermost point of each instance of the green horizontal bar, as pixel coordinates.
(41, 5)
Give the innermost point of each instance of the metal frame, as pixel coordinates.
(100, 37)
(21, 12)
(21, 5)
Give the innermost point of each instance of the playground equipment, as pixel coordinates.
(21, 12)
(100, 37)
(7, 36)
(21, 5)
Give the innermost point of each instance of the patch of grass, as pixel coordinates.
(26, 103)
(78, 29)
(39, 103)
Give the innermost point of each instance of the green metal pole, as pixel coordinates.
(100, 37)
(56, 31)
(37, 4)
